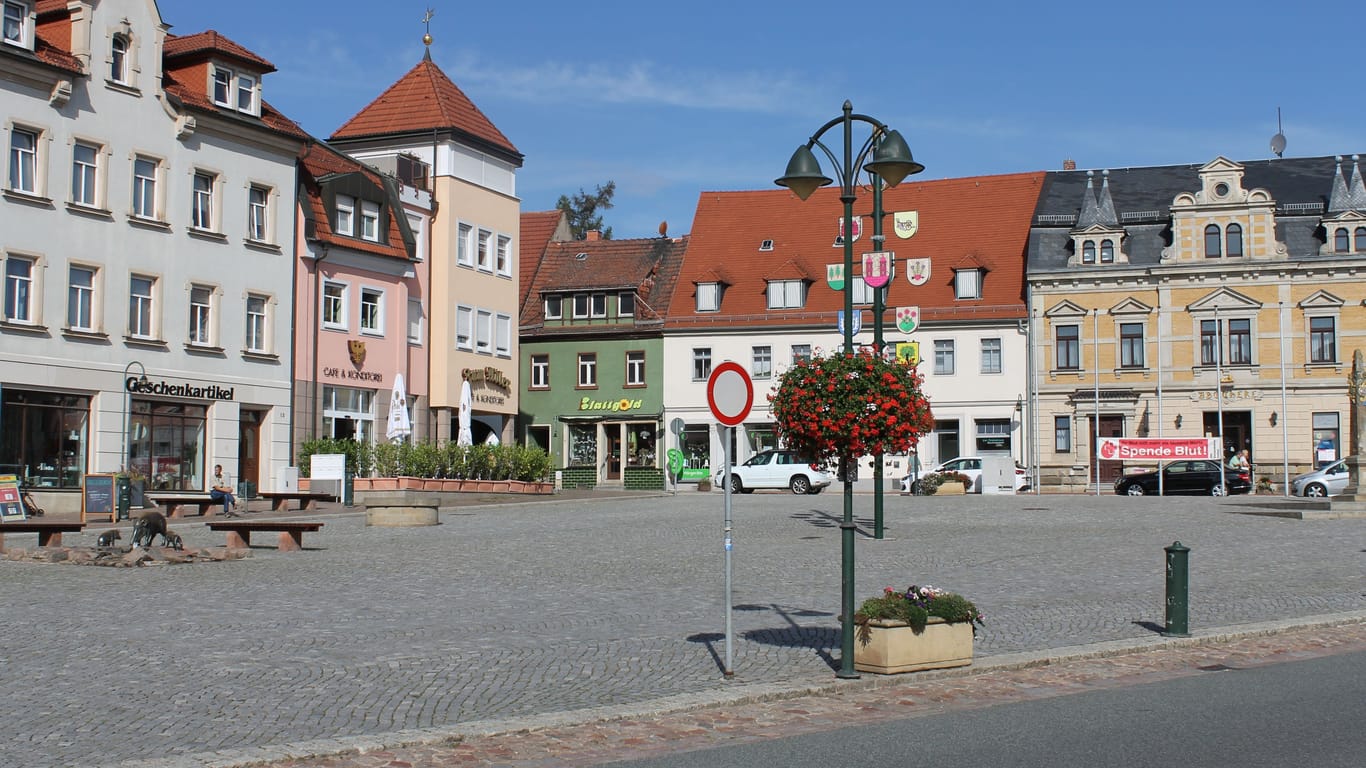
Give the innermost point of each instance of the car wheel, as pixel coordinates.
(1216, 490)
(735, 485)
(1316, 490)
(800, 485)
(1135, 490)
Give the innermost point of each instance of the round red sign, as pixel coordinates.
(730, 393)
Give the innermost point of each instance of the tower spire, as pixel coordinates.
(427, 33)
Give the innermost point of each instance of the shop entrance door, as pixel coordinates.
(1237, 433)
(614, 452)
(249, 447)
(1110, 471)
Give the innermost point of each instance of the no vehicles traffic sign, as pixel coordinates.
(730, 393)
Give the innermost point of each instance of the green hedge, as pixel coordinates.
(481, 462)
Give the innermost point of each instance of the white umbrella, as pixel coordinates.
(400, 426)
(466, 403)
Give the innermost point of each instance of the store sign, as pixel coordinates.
(137, 386)
(489, 375)
(1159, 448)
(609, 406)
(338, 373)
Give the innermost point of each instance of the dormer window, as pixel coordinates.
(369, 221)
(766, 245)
(708, 297)
(18, 24)
(786, 294)
(1088, 252)
(554, 307)
(235, 90)
(346, 215)
(1340, 242)
(1107, 252)
(967, 283)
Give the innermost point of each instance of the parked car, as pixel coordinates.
(777, 469)
(1328, 481)
(971, 466)
(1198, 476)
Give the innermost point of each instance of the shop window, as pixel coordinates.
(44, 441)
(166, 444)
(695, 442)
(640, 445)
(583, 445)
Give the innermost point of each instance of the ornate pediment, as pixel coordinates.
(1224, 299)
(1321, 300)
(1130, 306)
(1066, 309)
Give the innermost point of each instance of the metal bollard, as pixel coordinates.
(124, 497)
(1178, 590)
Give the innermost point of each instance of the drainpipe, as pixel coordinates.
(317, 322)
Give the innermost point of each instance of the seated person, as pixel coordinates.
(222, 491)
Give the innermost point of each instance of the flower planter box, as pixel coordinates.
(951, 489)
(892, 647)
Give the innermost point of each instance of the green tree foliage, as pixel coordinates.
(585, 208)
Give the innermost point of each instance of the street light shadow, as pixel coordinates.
(1151, 626)
(822, 640)
(822, 519)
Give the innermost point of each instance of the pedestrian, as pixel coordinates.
(222, 491)
(1239, 460)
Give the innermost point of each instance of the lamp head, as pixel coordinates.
(892, 161)
(803, 174)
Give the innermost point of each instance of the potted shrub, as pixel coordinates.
(921, 628)
(950, 483)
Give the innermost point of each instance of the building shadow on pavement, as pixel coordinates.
(821, 640)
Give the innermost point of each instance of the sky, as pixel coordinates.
(671, 100)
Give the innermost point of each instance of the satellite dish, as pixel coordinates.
(1278, 141)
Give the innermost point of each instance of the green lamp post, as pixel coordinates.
(891, 161)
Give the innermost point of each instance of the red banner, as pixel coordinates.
(1159, 448)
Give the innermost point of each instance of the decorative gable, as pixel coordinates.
(1224, 300)
(1131, 306)
(1097, 237)
(1222, 220)
(1321, 300)
(1066, 310)
(1344, 226)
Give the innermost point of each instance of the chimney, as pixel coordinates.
(593, 234)
(1069, 164)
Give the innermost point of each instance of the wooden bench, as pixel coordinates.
(49, 534)
(175, 504)
(239, 532)
(308, 500)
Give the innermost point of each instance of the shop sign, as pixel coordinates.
(370, 376)
(1159, 448)
(613, 406)
(137, 386)
(489, 375)
(1232, 394)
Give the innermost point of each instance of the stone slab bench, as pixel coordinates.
(175, 504)
(402, 509)
(49, 534)
(308, 500)
(239, 532)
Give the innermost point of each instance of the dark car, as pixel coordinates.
(1199, 477)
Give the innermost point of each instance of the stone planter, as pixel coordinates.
(951, 489)
(401, 509)
(891, 647)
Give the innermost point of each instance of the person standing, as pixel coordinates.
(222, 491)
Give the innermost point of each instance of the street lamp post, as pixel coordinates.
(127, 406)
(891, 162)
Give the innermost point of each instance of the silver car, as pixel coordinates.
(1321, 483)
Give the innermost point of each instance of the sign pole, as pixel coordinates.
(730, 395)
(727, 435)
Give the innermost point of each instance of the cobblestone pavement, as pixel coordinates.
(591, 606)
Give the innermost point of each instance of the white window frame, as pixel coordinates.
(967, 283)
(483, 249)
(259, 213)
(203, 197)
(416, 321)
(990, 356)
(597, 305)
(464, 245)
(557, 301)
(464, 328)
(120, 55)
(540, 371)
(21, 290)
(483, 332)
(800, 352)
(371, 320)
(502, 262)
(627, 298)
(339, 319)
(87, 178)
(945, 352)
(345, 221)
(701, 363)
(588, 369)
(250, 86)
(708, 297)
(146, 201)
(786, 294)
(582, 306)
(369, 221)
(25, 163)
(226, 88)
(761, 362)
(142, 318)
(82, 305)
(18, 24)
(863, 293)
(502, 335)
(200, 332)
(257, 333)
(635, 368)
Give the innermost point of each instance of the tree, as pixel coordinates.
(583, 210)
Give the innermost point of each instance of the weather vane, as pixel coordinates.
(427, 22)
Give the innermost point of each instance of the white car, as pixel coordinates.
(970, 466)
(1321, 483)
(777, 469)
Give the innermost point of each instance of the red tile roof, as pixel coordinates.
(647, 265)
(538, 229)
(52, 37)
(984, 219)
(317, 162)
(421, 101)
(210, 42)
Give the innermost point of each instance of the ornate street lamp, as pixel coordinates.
(891, 162)
(128, 405)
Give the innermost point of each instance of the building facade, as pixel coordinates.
(145, 234)
(1219, 300)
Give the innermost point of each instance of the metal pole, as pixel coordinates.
(847, 523)
(1219, 390)
(1285, 438)
(1160, 424)
(726, 535)
(878, 309)
(1095, 443)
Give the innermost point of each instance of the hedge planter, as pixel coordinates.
(951, 489)
(891, 647)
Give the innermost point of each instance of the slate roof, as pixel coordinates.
(537, 230)
(649, 266)
(318, 162)
(1143, 197)
(981, 220)
(421, 101)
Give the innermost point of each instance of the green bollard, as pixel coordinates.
(124, 497)
(1178, 590)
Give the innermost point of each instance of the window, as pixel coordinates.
(626, 305)
(599, 305)
(348, 413)
(246, 94)
(145, 171)
(865, 294)
(991, 355)
(464, 328)
(369, 221)
(1340, 241)
(1107, 252)
(786, 294)
(967, 283)
(588, 369)
(334, 305)
(1240, 342)
(140, 307)
(19, 290)
(16, 29)
(503, 256)
(1131, 345)
(371, 311)
(84, 166)
(258, 336)
(1361, 238)
(761, 365)
(463, 255)
(583, 445)
(502, 335)
(554, 307)
(201, 213)
(222, 87)
(1323, 343)
(80, 299)
(635, 368)
(23, 152)
(414, 321)
(1234, 236)
(201, 314)
(118, 59)
(701, 363)
(258, 214)
(1067, 348)
(993, 435)
(943, 357)
(1088, 252)
(1062, 434)
(1209, 342)
(708, 297)
(540, 371)
(580, 305)
(485, 256)
(483, 331)
(235, 90)
(346, 215)
(1213, 242)
(801, 353)
(47, 437)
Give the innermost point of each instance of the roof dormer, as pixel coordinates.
(1097, 238)
(230, 74)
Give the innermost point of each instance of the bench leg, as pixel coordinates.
(279, 505)
(2, 542)
(176, 510)
(291, 541)
(239, 539)
(49, 538)
(309, 505)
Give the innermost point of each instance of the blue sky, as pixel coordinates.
(669, 100)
